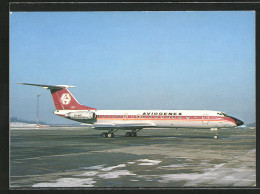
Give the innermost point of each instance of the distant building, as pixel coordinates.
(21, 125)
(25, 125)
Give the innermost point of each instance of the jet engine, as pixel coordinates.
(81, 115)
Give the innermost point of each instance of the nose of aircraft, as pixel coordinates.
(238, 122)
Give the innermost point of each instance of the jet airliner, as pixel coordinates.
(134, 120)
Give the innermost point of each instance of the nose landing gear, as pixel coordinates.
(216, 132)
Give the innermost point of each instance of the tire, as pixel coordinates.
(110, 135)
(133, 134)
(104, 135)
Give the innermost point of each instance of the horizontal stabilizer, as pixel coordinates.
(50, 87)
(63, 99)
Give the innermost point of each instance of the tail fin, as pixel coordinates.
(63, 99)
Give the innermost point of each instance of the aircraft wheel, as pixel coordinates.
(133, 134)
(110, 135)
(104, 134)
(127, 134)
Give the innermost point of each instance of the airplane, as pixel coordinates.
(134, 120)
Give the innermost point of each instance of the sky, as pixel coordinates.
(187, 60)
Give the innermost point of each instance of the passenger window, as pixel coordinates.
(179, 113)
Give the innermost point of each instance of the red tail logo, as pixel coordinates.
(64, 100)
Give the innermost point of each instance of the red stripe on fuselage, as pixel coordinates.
(165, 118)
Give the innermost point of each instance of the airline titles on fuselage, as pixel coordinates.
(161, 113)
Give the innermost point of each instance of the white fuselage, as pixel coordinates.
(158, 118)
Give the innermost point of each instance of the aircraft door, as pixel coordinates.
(205, 119)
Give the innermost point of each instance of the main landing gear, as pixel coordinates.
(110, 134)
(131, 134)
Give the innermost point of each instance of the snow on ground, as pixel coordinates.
(115, 174)
(148, 162)
(95, 167)
(113, 167)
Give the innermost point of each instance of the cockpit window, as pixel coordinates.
(220, 113)
(226, 115)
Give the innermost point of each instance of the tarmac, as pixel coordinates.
(168, 158)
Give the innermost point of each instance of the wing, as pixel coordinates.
(123, 126)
